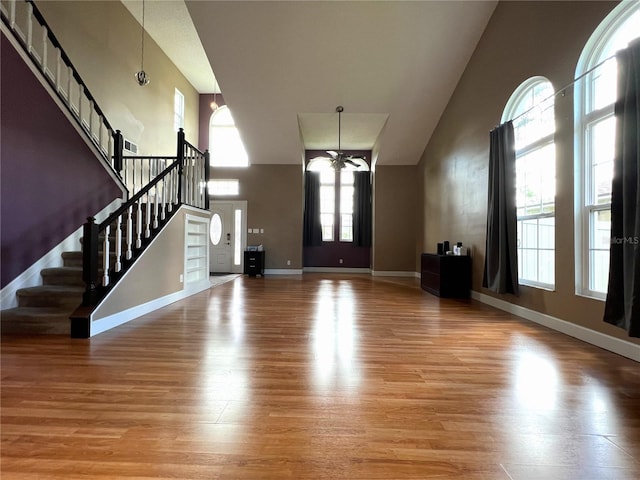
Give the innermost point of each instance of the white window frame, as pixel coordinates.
(585, 207)
(178, 110)
(511, 112)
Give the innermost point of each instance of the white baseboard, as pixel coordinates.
(612, 344)
(390, 273)
(112, 321)
(31, 276)
(336, 270)
(283, 271)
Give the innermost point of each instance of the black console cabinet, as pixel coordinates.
(254, 263)
(446, 275)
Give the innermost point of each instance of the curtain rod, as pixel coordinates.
(561, 91)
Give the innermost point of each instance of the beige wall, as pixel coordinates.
(522, 39)
(274, 195)
(102, 40)
(395, 219)
(155, 274)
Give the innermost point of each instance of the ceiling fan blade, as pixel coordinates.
(332, 153)
(351, 162)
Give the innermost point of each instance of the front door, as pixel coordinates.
(227, 237)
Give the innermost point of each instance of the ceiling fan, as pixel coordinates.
(339, 160)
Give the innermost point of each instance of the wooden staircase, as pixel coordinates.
(45, 309)
(158, 186)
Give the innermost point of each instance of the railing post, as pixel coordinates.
(180, 164)
(118, 147)
(90, 261)
(207, 175)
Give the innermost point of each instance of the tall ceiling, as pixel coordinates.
(284, 66)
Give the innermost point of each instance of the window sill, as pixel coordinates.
(539, 286)
(592, 295)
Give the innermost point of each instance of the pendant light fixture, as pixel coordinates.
(141, 77)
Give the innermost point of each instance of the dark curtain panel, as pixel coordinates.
(312, 230)
(501, 257)
(362, 209)
(623, 295)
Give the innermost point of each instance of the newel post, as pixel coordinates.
(180, 156)
(207, 176)
(90, 262)
(118, 147)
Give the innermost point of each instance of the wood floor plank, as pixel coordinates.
(318, 376)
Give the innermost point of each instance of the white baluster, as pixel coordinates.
(110, 148)
(118, 265)
(29, 28)
(129, 233)
(80, 95)
(91, 110)
(147, 220)
(12, 14)
(133, 176)
(162, 186)
(139, 224)
(44, 49)
(70, 76)
(169, 196)
(105, 256)
(156, 206)
(100, 127)
(58, 69)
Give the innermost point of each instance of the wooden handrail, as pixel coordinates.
(106, 144)
(179, 183)
(38, 15)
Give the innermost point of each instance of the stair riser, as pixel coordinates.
(63, 279)
(72, 262)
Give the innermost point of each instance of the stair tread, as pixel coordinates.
(59, 290)
(34, 311)
(35, 320)
(69, 270)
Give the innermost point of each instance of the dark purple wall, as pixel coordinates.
(50, 180)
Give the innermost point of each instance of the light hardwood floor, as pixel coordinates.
(314, 377)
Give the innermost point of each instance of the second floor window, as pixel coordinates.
(178, 110)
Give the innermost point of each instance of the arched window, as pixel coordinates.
(336, 197)
(595, 94)
(225, 146)
(531, 109)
